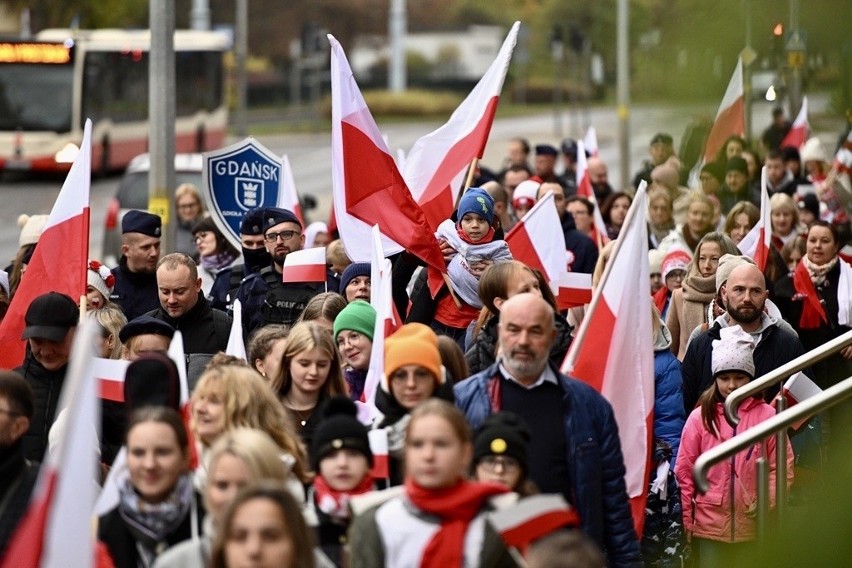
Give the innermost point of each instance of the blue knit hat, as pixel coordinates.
(477, 200)
(353, 271)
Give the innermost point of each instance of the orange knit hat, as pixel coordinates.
(413, 344)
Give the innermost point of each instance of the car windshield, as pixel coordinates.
(133, 190)
(35, 97)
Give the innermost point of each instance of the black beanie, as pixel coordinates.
(502, 434)
(151, 380)
(339, 428)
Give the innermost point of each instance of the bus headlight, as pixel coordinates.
(67, 154)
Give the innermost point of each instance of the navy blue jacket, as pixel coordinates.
(135, 292)
(595, 462)
(583, 248)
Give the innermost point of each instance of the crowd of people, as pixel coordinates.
(278, 465)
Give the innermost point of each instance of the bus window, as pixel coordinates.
(36, 97)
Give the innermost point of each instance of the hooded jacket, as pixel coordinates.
(722, 513)
(775, 348)
(669, 416)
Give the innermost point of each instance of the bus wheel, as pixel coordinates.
(105, 157)
(200, 140)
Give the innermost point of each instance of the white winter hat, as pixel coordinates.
(31, 228)
(100, 278)
(813, 151)
(525, 194)
(733, 351)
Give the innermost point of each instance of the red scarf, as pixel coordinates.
(456, 506)
(660, 299)
(813, 312)
(334, 503)
(489, 236)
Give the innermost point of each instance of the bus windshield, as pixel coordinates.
(36, 97)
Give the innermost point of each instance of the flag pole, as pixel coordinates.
(468, 181)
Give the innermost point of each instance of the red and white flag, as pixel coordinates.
(613, 351)
(378, 439)
(573, 289)
(288, 197)
(730, 118)
(799, 388)
(532, 518)
(368, 188)
(109, 374)
(591, 141)
(306, 265)
(60, 258)
(387, 322)
(799, 130)
(437, 163)
(236, 345)
(757, 241)
(843, 158)
(537, 241)
(56, 530)
(585, 189)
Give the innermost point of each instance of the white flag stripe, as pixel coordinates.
(236, 346)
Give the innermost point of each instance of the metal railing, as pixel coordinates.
(777, 424)
(732, 403)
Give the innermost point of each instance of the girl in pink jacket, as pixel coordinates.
(722, 522)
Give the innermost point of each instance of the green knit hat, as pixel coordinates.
(358, 316)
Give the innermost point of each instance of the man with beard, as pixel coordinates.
(575, 448)
(599, 176)
(255, 257)
(264, 297)
(135, 287)
(744, 296)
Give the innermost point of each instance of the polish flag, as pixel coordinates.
(730, 118)
(591, 141)
(584, 189)
(573, 289)
(799, 131)
(537, 239)
(288, 197)
(56, 530)
(109, 374)
(613, 351)
(387, 322)
(236, 346)
(799, 388)
(60, 259)
(368, 188)
(305, 266)
(532, 518)
(379, 446)
(843, 158)
(757, 241)
(437, 163)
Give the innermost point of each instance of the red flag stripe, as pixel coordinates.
(304, 273)
(110, 389)
(27, 542)
(729, 122)
(523, 249)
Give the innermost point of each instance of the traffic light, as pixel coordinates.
(776, 47)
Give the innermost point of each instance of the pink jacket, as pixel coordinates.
(713, 515)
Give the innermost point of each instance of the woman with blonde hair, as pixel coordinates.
(310, 374)
(230, 397)
(110, 320)
(238, 458)
(699, 222)
(323, 309)
(785, 220)
(190, 210)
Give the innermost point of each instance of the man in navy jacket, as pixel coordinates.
(575, 448)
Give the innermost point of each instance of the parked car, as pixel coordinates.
(132, 193)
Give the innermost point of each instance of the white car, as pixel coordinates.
(133, 194)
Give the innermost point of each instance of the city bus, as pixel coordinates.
(49, 87)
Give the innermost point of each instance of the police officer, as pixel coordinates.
(255, 257)
(135, 280)
(264, 297)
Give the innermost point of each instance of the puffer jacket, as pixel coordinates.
(595, 462)
(482, 352)
(723, 512)
(47, 386)
(669, 415)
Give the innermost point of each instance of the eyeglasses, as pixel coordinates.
(353, 338)
(283, 235)
(507, 464)
(201, 236)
